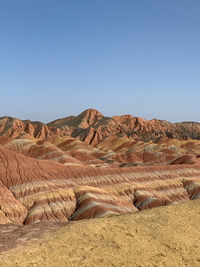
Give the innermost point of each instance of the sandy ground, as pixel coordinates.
(165, 236)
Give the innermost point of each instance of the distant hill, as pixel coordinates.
(92, 127)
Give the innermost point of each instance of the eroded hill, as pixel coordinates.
(61, 172)
(92, 127)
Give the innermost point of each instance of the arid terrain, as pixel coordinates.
(164, 236)
(56, 176)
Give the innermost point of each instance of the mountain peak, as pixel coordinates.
(88, 117)
(90, 112)
(92, 127)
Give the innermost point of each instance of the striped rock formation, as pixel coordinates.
(95, 202)
(95, 140)
(45, 190)
(11, 210)
(113, 151)
(187, 159)
(39, 150)
(192, 187)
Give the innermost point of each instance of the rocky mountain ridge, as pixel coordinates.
(92, 127)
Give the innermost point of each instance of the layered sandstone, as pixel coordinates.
(71, 169)
(45, 190)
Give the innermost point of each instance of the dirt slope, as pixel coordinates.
(165, 236)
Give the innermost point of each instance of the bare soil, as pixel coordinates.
(164, 236)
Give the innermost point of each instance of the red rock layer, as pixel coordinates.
(160, 196)
(51, 191)
(193, 188)
(186, 159)
(92, 127)
(95, 202)
(122, 152)
(56, 205)
(11, 210)
(40, 150)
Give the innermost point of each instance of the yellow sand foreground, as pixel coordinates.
(165, 236)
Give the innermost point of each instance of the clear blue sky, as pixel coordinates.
(140, 57)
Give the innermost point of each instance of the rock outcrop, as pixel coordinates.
(93, 166)
(92, 127)
(34, 190)
(11, 210)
